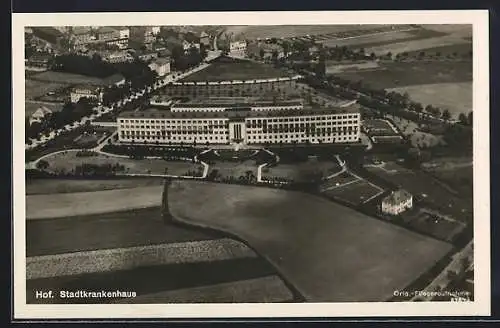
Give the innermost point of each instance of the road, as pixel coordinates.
(101, 110)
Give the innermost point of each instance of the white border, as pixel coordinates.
(481, 305)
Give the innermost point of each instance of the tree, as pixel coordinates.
(261, 53)
(469, 118)
(42, 164)
(463, 119)
(446, 115)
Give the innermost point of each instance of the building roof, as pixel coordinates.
(48, 30)
(106, 29)
(203, 34)
(80, 30)
(397, 197)
(41, 112)
(230, 113)
(161, 61)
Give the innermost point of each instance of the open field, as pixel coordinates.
(61, 186)
(67, 161)
(315, 244)
(457, 173)
(355, 193)
(296, 171)
(35, 89)
(117, 259)
(227, 169)
(378, 127)
(95, 202)
(288, 31)
(132, 228)
(30, 106)
(259, 290)
(426, 189)
(333, 67)
(384, 38)
(156, 279)
(460, 49)
(228, 69)
(399, 74)
(456, 97)
(416, 45)
(66, 78)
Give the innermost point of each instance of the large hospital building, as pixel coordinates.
(240, 121)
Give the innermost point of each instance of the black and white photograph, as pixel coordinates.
(248, 164)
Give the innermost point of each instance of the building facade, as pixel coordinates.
(91, 92)
(240, 125)
(117, 57)
(107, 33)
(238, 49)
(161, 66)
(397, 202)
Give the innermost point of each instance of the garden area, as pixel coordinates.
(228, 69)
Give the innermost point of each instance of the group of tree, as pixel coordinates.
(88, 169)
(69, 114)
(182, 60)
(137, 73)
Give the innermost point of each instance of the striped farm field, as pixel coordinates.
(258, 290)
(61, 186)
(85, 203)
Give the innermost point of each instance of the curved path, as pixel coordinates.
(328, 252)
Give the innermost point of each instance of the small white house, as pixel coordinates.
(39, 114)
(397, 202)
(161, 66)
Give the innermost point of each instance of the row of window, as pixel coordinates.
(345, 118)
(251, 140)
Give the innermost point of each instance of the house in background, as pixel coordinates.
(186, 46)
(81, 35)
(85, 91)
(106, 33)
(39, 62)
(205, 39)
(39, 115)
(397, 202)
(238, 49)
(161, 66)
(117, 57)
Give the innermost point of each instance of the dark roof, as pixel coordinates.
(48, 30)
(230, 114)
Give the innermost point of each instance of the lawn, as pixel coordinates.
(355, 193)
(400, 74)
(94, 202)
(328, 252)
(455, 97)
(427, 189)
(35, 89)
(67, 161)
(61, 186)
(460, 49)
(296, 171)
(66, 78)
(237, 169)
(160, 278)
(377, 127)
(228, 69)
